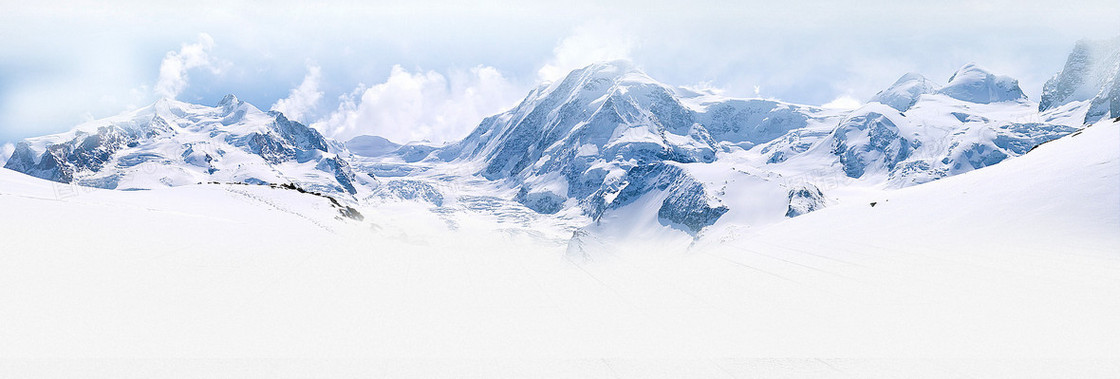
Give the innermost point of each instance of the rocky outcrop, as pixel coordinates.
(1091, 73)
(871, 139)
(805, 198)
(683, 201)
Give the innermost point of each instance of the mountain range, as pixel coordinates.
(607, 150)
(609, 225)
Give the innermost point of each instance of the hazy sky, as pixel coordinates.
(431, 70)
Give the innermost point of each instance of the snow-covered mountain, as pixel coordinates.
(171, 143)
(974, 84)
(607, 148)
(916, 131)
(1091, 74)
(970, 84)
(609, 137)
(608, 134)
(937, 136)
(905, 91)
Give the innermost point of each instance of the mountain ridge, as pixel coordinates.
(605, 139)
(181, 143)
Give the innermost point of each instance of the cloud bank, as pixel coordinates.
(843, 102)
(592, 42)
(105, 60)
(6, 152)
(422, 105)
(173, 70)
(438, 108)
(304, 99)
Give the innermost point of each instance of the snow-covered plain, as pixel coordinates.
(1007, 271)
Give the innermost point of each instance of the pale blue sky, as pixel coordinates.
(65, 62)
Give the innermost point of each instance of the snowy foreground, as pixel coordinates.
(1012, 270)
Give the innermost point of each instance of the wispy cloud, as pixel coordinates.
(422, 105)
(173, 70)
(842, 102)
(432, 106)
(302, 100)
(591, 42)
(6, 152)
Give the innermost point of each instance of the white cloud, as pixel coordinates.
(302, 100)
(842, 102)
(422, 105)
(173, 70)
(6, 152)
(706, 88)
(589, 43)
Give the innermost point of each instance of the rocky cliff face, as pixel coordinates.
(805, 198)
(1091, 73)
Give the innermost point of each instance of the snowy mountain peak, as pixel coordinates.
(614, 70)
(229, 99)
(603, 78)
(165, 106)
(905, 91)
(974, 84)
(608, 134)
(910, 77)
(1091, 73)
(970, 83)
(172, 143)
(969, 68)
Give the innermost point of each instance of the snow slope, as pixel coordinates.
(1009, 270)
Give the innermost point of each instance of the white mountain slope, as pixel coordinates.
(171, 143)
(1091, 75)
(1004, 271)
(1062, 197)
